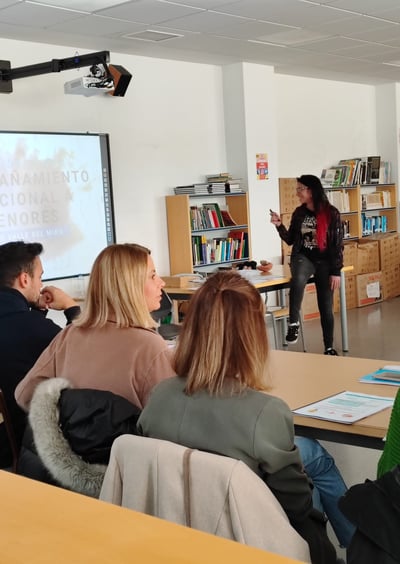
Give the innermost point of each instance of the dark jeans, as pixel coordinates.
(302, 268)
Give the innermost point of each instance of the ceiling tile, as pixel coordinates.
(148, 11)
(85, 5)
(370, 7)
(26, 13)
(97, 25)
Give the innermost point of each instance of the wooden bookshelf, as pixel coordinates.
(355, 203)
(347, 201)
(378, 201)
(180, 232)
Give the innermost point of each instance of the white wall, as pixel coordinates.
(250, 125)
(320, 122)
(167, 130)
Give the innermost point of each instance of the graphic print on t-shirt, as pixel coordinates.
(309, 232)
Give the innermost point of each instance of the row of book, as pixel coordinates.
(220, 249)
(360, 170)
(209, 216)
(222, 183)
(373, 224)
(339, 199)
(346, 229)
(378, 199)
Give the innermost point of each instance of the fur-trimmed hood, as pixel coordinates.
(68, 468)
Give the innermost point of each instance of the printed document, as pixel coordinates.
(345, 407)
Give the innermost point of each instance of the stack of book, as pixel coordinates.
(360, 170)
(221, 183)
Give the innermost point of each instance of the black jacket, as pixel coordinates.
(24, 334)
(71, 431)
(293, 236)
(374, 507)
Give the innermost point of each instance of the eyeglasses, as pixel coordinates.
(301, 188)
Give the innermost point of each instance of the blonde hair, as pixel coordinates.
(116, 288)
(224, 337)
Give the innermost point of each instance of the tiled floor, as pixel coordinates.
(374, 332)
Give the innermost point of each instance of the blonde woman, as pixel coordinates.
(219, 402)
(113, 344)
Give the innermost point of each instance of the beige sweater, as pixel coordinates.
(215, 494)
(128, 362)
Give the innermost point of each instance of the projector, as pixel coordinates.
(88, 86)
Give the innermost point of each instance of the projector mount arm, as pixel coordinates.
(7, 74)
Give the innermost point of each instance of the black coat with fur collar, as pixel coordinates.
(71, 432)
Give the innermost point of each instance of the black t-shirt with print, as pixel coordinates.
(309, 246)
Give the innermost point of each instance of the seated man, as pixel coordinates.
(24, 330)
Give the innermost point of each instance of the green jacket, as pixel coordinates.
(254, 427)
(391, 452)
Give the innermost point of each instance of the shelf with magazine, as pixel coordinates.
(366, 209)
(207, 230)
(378, 209)
(346, 200)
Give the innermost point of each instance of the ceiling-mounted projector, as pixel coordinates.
(88, 86)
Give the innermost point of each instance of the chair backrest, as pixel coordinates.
(9, 431)
(167, 331)
(212, 493)
(165, 308)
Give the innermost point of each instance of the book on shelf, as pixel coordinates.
(227, 218)
(373, 224)
(359, 170)
(210, 216)
(384, 172)
(352, 171)
(334, 176)
(346, 229)
(216, 214)
(373, 168)
(339, 199)
(219, 177)
(386, 197)
(242, 249)
(219, 249)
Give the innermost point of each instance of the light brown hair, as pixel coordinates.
(116, 288)
(224, 338)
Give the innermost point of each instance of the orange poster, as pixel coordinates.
(262, 166)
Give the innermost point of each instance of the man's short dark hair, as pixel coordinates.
(17, 257)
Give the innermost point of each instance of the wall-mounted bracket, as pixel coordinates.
(7, 74)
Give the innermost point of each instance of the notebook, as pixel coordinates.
(389, 374)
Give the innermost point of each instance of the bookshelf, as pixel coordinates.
(366, 208)
(379, 209)
(363, 207)
(347, 201)
(203, 245)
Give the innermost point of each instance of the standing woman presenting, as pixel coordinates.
(316, 234)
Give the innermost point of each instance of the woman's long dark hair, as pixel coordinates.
(321, 206)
